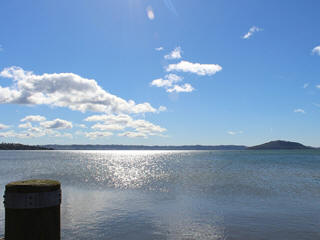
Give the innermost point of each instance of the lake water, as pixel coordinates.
(231, 195)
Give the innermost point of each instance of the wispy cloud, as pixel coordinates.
(318, 86)
(299, 110)
(3, 126)
(33, 118)
(150, 13)
(170, 6)
(234, 132)
(316, 104)
(175, 54)
(181, 88)
(196, 68)
(316, 50)
(169, 84)
(251, 31)
(97, 134)
(64, 90)
(168, 80)
(305, 85)
(132, 134)
(159, 49)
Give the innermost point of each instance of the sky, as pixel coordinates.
(159, 72)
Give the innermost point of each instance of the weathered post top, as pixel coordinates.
(33, 185)
(32, 209)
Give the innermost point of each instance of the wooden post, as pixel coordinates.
(32, 210)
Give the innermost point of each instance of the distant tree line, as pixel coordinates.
(18, 146)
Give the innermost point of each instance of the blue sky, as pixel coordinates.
(159, 72)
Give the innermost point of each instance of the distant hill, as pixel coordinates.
(143, 147)
(18, 146)
(278, 145)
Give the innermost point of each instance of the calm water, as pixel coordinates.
(238, 195)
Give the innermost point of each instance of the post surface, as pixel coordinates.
(32, 210)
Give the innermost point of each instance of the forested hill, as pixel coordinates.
(278, 145)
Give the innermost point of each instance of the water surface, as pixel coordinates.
(228, 195)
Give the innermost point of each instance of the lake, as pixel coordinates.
(231, 195)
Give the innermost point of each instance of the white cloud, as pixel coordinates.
(3, 126)
(109, 127)
(316, 50)
(111, 119)
(234, 132)
(305, 85)
(7, 134)
(167, 81)
(64, 90)
(162, 109)
(150, 13)
(81, 126)
(33, 118)
(318, 86)
(175, 54)
(94, 135)
(183, 88)
(299, 110)
(25, 125)
(56, 124)
(24, 134)
(196, 68)
(120, 122)
(132, 134)
(159, 49)
(251, 31)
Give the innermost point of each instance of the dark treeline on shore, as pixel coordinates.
(143, 147)
(18, 146)
(273, 145)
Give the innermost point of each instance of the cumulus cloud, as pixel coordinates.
(299, 110)
(132, 134)
(3, 126)
(56, 124)
(175, 54)
(64, 90)
(251, 31)
(168, 80)
(25, 125)
(150, 13)
(40, 129)
(196, 68)
(7, 134)
(81, 126)
(109, 127)
(316, 50)
(181, 88)
(121, 122)
(94, 135)
(33, 118)
(234, 132)
(159, 49)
